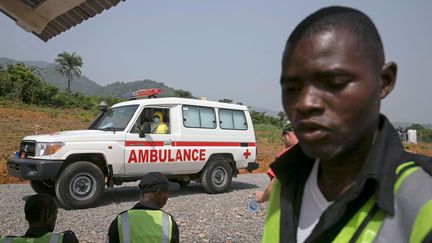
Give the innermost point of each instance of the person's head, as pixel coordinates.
(41, 211)
(157, 116)
(154, 187)
(288, 127)
(288, 136)
(333, 79)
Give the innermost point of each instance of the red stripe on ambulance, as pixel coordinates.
(209, 144)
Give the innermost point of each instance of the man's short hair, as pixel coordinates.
(342, 18)
(36, 206)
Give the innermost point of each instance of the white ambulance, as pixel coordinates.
(186, 139)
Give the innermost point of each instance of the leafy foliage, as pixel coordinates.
(19, 84)
(262, 118)
(226, 100)
(183, 94)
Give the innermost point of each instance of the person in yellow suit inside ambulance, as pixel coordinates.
(158, 126)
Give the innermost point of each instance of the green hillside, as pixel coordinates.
(84, 85)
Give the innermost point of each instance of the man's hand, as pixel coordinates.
(261, 196)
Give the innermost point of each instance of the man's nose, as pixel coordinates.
(310, 100)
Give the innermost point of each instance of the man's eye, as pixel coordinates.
(290, 86)
(338, 83)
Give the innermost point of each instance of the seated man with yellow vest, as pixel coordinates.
(146, 222)
(41, 214)
(349, 178)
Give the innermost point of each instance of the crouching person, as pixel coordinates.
(41, 214)
(146, 222)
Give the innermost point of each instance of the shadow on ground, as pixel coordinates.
(131, 193)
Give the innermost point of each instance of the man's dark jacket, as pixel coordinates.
(377, 176)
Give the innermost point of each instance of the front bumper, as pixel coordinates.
(33, 169)
(252, 166)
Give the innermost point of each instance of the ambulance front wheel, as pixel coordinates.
(80, 185)
(217, 176)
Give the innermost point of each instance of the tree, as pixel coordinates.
(226, 100)
(183, 93)
(282, 116)
(68, 65)
(415, 126)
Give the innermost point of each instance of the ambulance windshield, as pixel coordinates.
(116, 119)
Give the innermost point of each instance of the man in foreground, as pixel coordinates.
(41, 214)
(146, 222)
(349, 179)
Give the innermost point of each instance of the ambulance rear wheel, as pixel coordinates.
(80, 185)
(217, 176)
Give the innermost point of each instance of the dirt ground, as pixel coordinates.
(17, 121)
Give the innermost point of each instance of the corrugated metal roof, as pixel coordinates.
(76, 15)
(32, 3)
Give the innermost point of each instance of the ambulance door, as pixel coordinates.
(197, 140)
(148, 143)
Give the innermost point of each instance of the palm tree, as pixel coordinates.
(68, 65)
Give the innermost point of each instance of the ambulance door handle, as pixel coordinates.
(167, 142)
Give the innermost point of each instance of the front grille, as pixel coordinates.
(28, 148)
(13, 166)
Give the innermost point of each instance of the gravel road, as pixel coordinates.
(201, 217)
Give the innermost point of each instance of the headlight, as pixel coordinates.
(43, 149)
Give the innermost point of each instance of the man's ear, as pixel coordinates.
(387, 78)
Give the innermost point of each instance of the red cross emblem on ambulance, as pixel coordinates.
(247, 153)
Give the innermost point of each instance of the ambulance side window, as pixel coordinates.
(232, 119)
(150, 120)
(199, 117)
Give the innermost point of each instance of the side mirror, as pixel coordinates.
(103, 107)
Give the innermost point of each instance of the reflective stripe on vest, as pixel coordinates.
(151, 225)
(47, 238)
(272, 220)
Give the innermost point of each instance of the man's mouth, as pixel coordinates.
(311, 131)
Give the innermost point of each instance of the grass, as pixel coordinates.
(270, 132)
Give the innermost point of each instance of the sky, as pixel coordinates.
(229, 48)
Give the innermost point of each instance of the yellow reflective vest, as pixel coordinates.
(47, 238)
(144, 226)
(412, 220)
